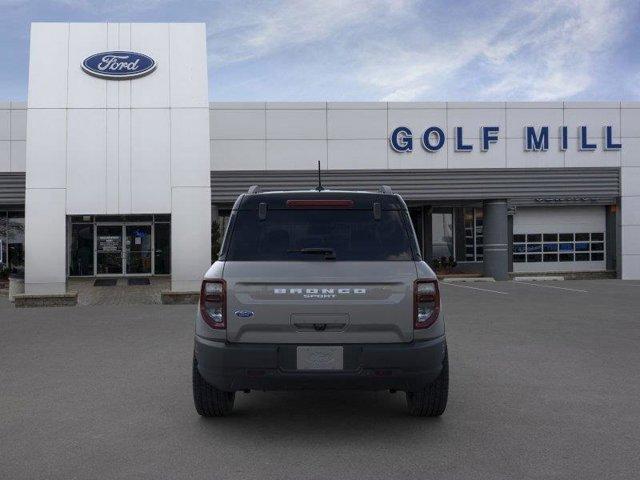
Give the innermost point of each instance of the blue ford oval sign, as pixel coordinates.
(118, 65)
(244, 313)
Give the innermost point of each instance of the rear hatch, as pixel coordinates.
(325, 273)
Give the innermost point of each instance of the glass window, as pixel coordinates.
(566, 247)
(350, 234)
(442, 234)
(565, 251)
(15, 242)
(519, 238)
(519, 258)
(162, 248)
(81, 251)
(473, 219)
(3, 242)
(582, 247)
(534, 258)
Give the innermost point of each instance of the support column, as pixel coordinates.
(496, 254)
(45, 241)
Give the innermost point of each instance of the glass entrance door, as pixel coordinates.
(139, 249)
(109, 250)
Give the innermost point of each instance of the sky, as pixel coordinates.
(377, 50)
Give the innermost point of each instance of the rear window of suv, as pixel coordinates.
(301, 234)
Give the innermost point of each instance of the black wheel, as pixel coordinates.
(432, 400)
(209, 401)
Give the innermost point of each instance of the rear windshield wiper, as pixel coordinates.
(329, 253)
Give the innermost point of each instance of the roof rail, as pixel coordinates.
(385, 189)
(253, 189)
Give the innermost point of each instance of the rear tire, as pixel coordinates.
(432, 400)
(209, 401)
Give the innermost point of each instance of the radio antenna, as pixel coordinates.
(320, 187)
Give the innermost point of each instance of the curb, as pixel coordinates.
(538, 279)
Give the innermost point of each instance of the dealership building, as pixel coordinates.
(118, 165)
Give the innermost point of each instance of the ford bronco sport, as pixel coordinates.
(320, 289)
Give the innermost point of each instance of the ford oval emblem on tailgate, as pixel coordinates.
(244, 313)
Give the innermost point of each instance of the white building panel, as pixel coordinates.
(18, 124)
(518, 118)
(296, 124)
(152, 91)
(630, 153)
(494, 157)
(630, 122)
(86, 91)
(150, 160)
(296, 154)
(5, 124)
(45, 241)
(47, 148)
(471, 119)
(111, 161)
(124, 86)
(188, 54)
(18, 156)
(5, 156)
(124, 161)
(86, 161)
(357, 154)
(48, 63)
(418, 158)
(113, 43)
(594, 118)
(517, 157)
(356, 124)
(237, 124)
(190, 166)
(191, 253)
(238, 155)
(631, 240)
(597, 158)
(417, 120)
(630, 182)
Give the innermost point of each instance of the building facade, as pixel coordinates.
(136, 175)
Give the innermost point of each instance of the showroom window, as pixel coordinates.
(12, 242)
(442, 231)
(558, 247)
(473, 219)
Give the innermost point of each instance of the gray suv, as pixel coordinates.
(320, 290)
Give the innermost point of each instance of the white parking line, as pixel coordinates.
(551, 286)
(473, 288)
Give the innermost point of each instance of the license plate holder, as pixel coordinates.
(319, 357)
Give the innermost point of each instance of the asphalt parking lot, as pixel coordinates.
(545, 383)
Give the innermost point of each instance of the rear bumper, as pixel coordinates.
(407, 366)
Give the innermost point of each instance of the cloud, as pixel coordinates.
(263, 28)
(408, 50)
(548, 50)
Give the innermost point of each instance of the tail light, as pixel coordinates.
(213, 303)
(426, 303)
